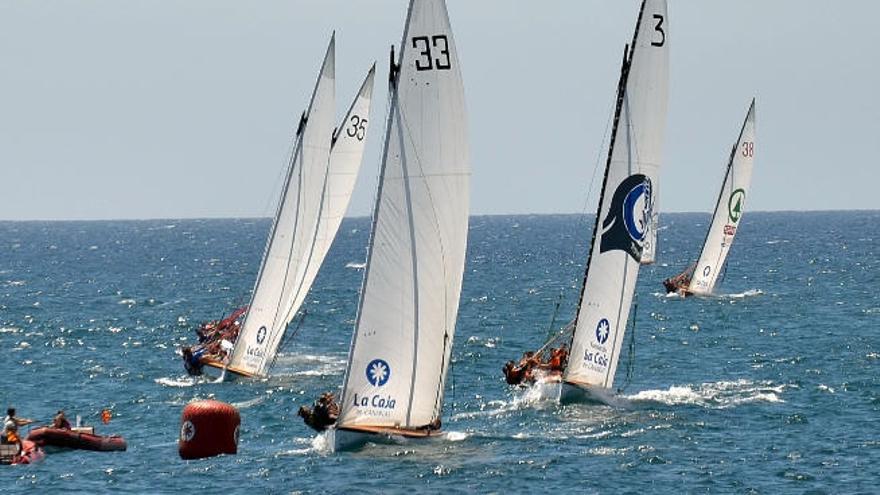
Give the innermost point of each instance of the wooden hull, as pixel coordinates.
(343, 439)
(231, 372)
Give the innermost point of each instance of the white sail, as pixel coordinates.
(625, 210)
(409, 301)
(289, 255)
(728, 209)
(648, 95)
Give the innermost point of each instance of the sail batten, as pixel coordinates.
(409, 300)
(728, 209)
(626, 204)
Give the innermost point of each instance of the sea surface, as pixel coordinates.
(772, 386)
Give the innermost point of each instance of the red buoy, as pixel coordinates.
(208, 428)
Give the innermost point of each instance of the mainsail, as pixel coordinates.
(625, 206)
(728, 209)
(409, 301)
(316, 192)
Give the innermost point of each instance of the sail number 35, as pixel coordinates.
(429, 59)
(748, 149)
(358, 128)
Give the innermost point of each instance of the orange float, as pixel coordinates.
(208, 428)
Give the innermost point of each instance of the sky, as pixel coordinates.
(118, 109)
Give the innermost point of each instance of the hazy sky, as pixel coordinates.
(169, 109)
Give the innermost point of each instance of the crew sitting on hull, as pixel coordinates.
(532, 366)
(680, 282)
(323, 414)
(192, 360)
(211, 336)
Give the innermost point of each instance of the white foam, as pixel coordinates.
(176, 382)
(714, 395)
(456, 436)
(356, 266)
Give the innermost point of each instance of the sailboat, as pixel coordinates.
(402, 341)
(317, 188)
(701, 277)
(626, 206)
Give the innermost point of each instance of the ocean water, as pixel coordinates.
(770, 387)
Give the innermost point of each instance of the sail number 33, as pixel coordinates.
(434, 52)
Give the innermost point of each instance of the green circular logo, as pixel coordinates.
(735, 204)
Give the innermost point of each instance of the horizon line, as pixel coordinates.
(156, 219)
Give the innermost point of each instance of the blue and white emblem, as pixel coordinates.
(626, 224)
(261, 334)
(378, 372)
(603, 329)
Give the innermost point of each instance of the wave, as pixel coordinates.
(713, 395)
(356, 266)
(178, 382)
(249, 403)
(538, 395)
(742, 295)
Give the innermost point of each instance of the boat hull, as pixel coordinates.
(70, 439)
(577, 393)
(346, 439)
(226, 372)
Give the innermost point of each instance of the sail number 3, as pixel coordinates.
(659, 29)
(426, 60)
(358, 128)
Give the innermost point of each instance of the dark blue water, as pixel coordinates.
(770, 387)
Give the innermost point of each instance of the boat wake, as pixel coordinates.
(743, 295)
(186, 381)
(539, 395)
(714, 395)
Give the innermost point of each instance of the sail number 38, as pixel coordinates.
(748, 149)
(434, 52)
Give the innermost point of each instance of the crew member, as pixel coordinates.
(192, 361)
(60, 421)
(10, 427)
(323, 414)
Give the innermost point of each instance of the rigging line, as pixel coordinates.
(288, 337)
(630, 365)
(274, 333)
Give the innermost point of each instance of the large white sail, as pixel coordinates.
(728, 209)
(625, 209)
(648, 94)
(281, 283)
(409, 302)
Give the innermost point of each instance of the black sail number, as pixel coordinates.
(659, 28)
(426, 59)
(358, 128)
